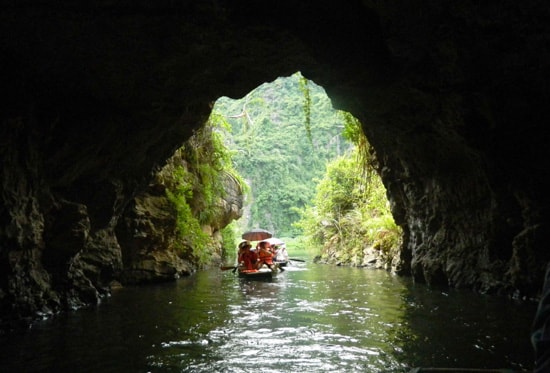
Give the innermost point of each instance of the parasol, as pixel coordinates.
(274, 241)
(256, 235)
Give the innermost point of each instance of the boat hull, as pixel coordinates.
(256, 274)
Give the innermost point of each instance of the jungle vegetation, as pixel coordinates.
(306, 169)
(349, 220)
(195, 187)
(282, 135)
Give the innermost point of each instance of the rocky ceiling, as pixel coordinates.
(453, 97)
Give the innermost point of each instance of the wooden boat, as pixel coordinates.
(281, 263)
(259, 274)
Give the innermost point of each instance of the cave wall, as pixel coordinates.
(465, 161)
(452, 97)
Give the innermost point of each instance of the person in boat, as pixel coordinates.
(265, 256)
(247, 258)
(281, 254)
(242, 247)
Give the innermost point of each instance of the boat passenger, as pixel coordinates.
(241, 248)
(247, 258)
(265, 256)
(282, 254)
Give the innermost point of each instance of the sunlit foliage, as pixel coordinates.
(197, 187)
(282, 133)
(190, 236)
(310, 170)
(350, 211)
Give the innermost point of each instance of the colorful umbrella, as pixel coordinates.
(274, 241)
(256, 235)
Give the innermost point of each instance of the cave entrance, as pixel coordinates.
(308, 171)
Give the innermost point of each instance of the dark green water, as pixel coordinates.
(311, 318)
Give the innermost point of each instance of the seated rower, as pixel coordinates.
(282, 254)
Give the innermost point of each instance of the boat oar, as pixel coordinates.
(297, 260)
(227, 268)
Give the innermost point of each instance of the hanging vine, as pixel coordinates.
(304, 87)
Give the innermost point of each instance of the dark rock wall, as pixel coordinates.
(453, 97)
(461, 141)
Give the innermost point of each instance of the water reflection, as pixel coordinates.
(327, 319)
(310, 318)
(456, 328)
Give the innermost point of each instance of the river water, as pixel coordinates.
(310, 318)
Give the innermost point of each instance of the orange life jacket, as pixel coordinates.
(249, 258)
(266, 257)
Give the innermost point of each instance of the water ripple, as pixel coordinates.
(316, 319)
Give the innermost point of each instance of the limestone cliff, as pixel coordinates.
(148, 233)
(453, 98)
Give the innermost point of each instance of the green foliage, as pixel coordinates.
(197, 189)
(304, 87)
(207, 160)
(229, 241)
(285, 137)
(350, 211)
(282, 134)
(190, 238)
